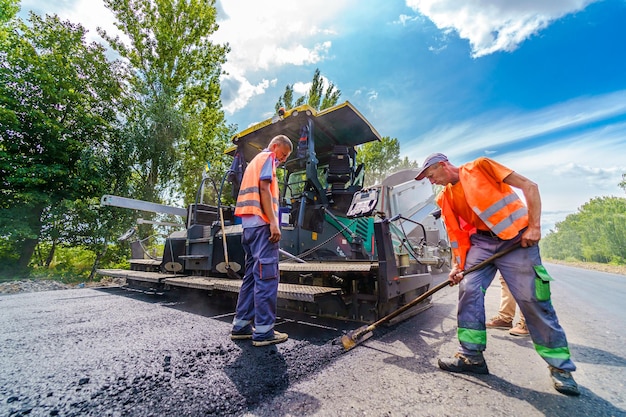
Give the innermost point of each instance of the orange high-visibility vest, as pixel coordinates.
(249, 198)
(459, 236)
(493, 201)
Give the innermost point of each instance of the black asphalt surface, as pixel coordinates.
(112, 352)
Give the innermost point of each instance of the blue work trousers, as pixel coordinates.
(258, 295)
(518, 270)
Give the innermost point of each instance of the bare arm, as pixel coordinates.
(532, 235)
(268, 209)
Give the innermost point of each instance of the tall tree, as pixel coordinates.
(176, 122)
(8, 11)
(317, 97)
(58, 100)
(597, 232)
(381, 159)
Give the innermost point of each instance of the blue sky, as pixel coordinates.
(537, 85)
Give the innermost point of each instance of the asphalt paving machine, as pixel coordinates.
(348, 252)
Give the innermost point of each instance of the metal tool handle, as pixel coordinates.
(440, 286)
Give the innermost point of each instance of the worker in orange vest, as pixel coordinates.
(484, 216)
(257, 205)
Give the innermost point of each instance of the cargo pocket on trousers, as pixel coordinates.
(542, 283)
(269, 268)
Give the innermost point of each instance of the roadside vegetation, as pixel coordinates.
(596, 233)
(76, 125)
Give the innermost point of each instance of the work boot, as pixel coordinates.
(563, 381)
(461, 363)
(277, 337)
(498, 322)
(244, 333)
(519, 330)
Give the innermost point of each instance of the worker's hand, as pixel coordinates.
(531, 236)
(274, 232)
(455, 276)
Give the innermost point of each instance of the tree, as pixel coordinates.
(176, 122)
(622, 184)
(58, 100)
(317, 97)
(8, 11)
(597, 232)
(382, 158)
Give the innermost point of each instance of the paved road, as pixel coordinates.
(396, 374)
(114, 352)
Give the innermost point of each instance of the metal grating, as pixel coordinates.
(136, 275)
(328, 266)
(201, 283)
(306, 293)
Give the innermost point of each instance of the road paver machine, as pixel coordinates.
(347, 251)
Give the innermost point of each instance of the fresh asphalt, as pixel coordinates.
(114, 352)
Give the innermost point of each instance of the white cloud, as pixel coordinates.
(509, 127)
(272, 56)
(403, 19)
(301, 88)
(271, 34)
(495, 25)
(574, 150)
(237, 90)
(90, 14)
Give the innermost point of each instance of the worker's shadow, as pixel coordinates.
(588, 354)
(262, 373)
(549, 404)
(580, 353)
(415, 355)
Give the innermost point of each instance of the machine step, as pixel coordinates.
(306, 293)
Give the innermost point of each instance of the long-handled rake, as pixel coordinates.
(353, 338)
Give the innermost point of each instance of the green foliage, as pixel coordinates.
(8, 10)
(174, 123)
(317, 97)
(596, 233)
(71, 264)
(381, 159)
(58, 100)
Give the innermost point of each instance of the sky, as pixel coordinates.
(539, 86)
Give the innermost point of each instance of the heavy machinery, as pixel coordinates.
(349, 252)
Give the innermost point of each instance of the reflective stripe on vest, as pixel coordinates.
(249, 198)
(494, 202)
(488, 214)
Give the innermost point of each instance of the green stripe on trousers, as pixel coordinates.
(477, 337)
(556, 353)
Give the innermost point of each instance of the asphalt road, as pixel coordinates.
(111, 352)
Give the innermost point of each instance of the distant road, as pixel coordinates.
(601, 291)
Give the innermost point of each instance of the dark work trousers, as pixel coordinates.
(258, 295)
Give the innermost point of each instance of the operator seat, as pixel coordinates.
(340, 173)
(339, 168)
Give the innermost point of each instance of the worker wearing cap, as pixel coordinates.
(257, 205)
(484, 216)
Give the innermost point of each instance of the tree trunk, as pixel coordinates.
(51, 253)
(29, 244)
(96, 261)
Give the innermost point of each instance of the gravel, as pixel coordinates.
(38, 285)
